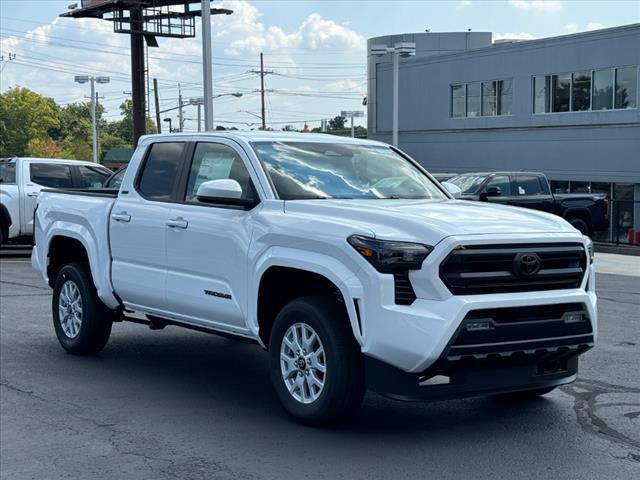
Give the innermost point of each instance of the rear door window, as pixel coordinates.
(7, 172)
(51, 175)
(529, 185)
(161, 171)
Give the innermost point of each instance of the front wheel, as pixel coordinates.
(81, 321)
(316, 366)
(581, 226)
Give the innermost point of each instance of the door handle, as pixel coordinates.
(33, 194)
(121, 217)
(178, 222)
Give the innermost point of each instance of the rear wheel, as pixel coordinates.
(81, 321)
(316, 366)
(580, 225)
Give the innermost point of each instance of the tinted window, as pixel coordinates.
(626, 87)
(93, 177)
(502, 182)
(561, 92)
(505, 96)
(473, 99)
(8, 172)
(213, 161)
(51, 175)
(528, 185)
(541, 85)
(161, 171)
(581, 97)
(603, 89)
(457, 101)
(488, 98)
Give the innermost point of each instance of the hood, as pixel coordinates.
(430, 220)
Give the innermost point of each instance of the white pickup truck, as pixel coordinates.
(343, 258)
(21, 180)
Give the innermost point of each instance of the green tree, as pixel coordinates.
(124, 128)
(337, 123)
(25, 115)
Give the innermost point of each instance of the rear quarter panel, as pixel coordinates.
(83, 217)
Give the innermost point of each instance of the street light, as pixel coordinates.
(199, 101)
(82, 79)
(400, 49)
(168, 120)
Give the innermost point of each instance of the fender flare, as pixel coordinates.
(100, 272)
(341, 276)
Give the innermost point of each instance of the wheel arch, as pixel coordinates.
(579, 213)
(288, 273)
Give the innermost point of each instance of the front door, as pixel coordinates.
(138, 229)
(207, 244)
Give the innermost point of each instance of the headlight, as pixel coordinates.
(589, 243)
(390, 256)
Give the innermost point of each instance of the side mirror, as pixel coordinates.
(219, 189)
(223, 192)
(493, 192)
(454, 190)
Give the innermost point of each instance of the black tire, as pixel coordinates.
(96, 318)
(1, 233)
(344, 380)
(580, 225)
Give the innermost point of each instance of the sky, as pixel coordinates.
(315, 50)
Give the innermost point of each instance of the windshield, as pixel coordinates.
(307, 170)
(468, 183)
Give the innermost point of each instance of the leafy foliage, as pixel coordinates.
(31, 124)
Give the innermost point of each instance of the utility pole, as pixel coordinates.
(207, 69)
(157, 103)
(264, 123)
(180, 112)
(137, 74)
(94, 123)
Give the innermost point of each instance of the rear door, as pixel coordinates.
(207, 248)
(138, 228)
(533, 192)
(39, 175)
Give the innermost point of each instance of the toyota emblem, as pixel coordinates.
(527, 264)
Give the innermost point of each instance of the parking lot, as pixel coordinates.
(181, 404)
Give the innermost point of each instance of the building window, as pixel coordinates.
(581, 91)
(485, 99)
(560, 92)
(541, 88)
(489, 101)
(626, 87)
(458, 101)
(473, 99)
(606, 89)
(603, 89)
(505, 96)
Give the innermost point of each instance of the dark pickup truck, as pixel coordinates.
(587, 212)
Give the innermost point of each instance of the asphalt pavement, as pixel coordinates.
(176, 404)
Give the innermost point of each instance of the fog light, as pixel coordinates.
(573, 318)
(479, 326)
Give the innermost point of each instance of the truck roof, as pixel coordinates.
(53, 160)
(248, 136)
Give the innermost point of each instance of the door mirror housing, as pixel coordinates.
(490, 192)
(454, 190)
(223, 192)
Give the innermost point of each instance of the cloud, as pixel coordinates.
(245, 33)
(537, 5)
(575, 28)
(513, 36)
(463, 4)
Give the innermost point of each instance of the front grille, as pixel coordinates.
(520, 331)
(478, 269)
